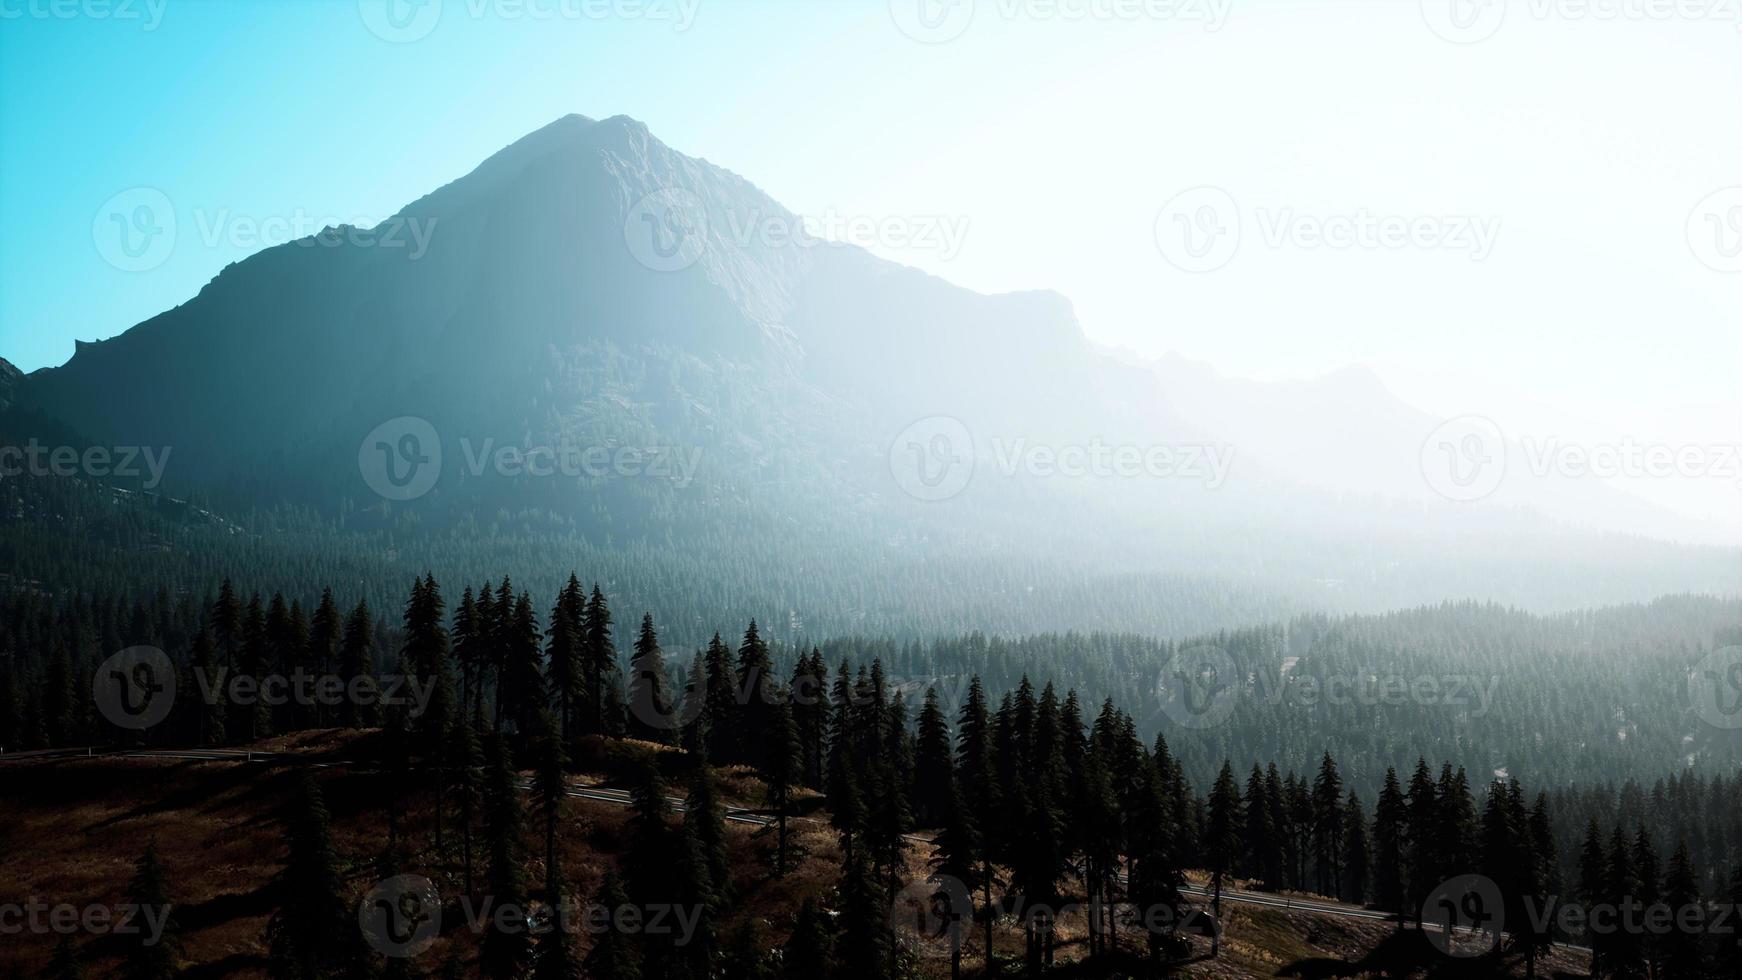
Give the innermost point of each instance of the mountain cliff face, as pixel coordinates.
(589, 287)
(9, 378)
(586, 276)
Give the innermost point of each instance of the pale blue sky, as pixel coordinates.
(1586, 144)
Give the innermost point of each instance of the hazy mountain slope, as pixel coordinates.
(1346, 433)
(589, 286)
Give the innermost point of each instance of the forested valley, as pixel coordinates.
(1040, 773)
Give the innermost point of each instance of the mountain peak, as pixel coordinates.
(1357, 378)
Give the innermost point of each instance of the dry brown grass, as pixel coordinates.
(73, 829)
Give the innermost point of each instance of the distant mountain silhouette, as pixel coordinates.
(588, 286)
